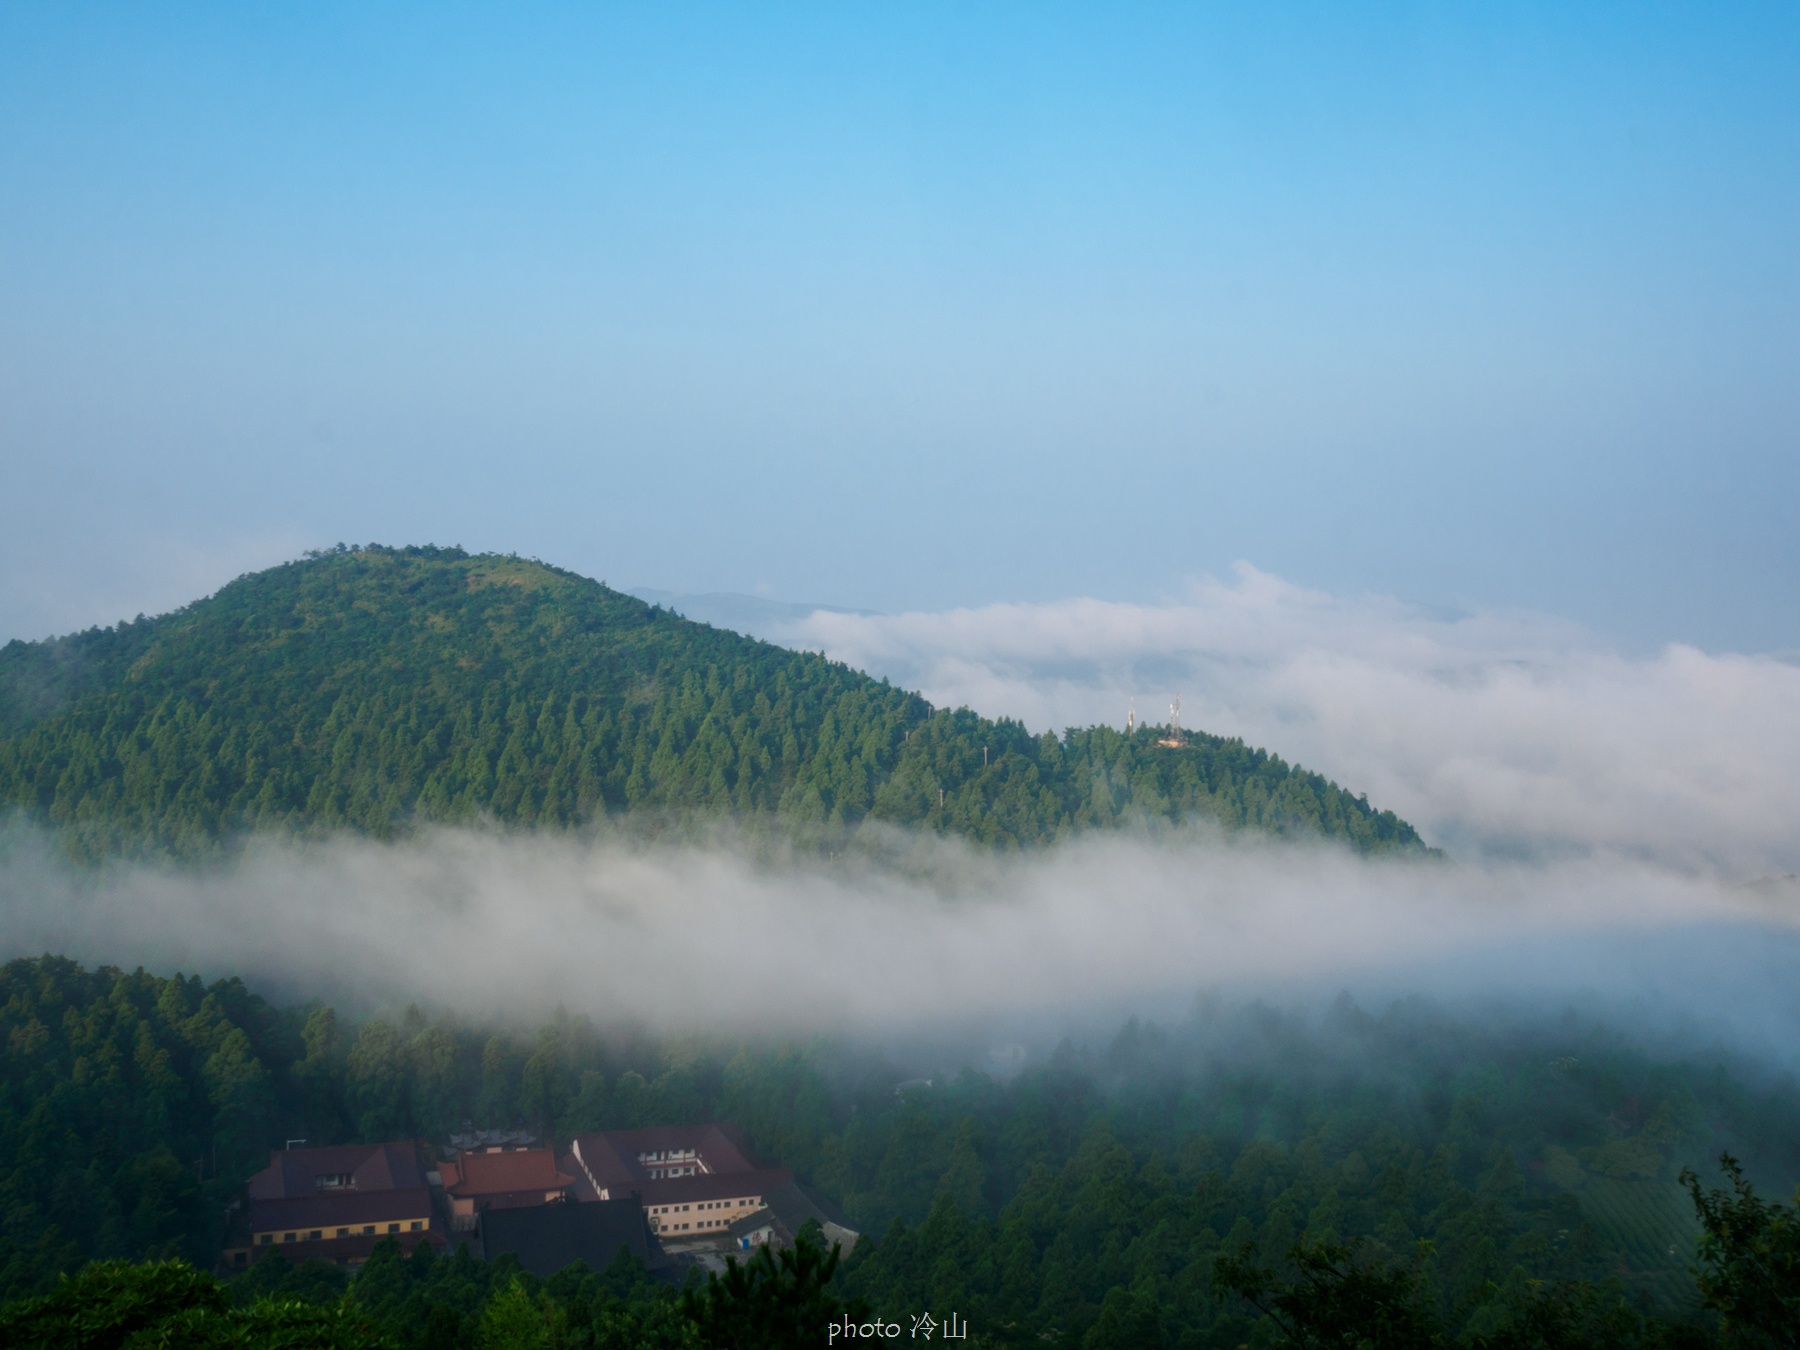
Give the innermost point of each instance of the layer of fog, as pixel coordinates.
(914, 935)
(1497, 734)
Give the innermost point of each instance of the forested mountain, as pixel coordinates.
(374, 687)
(1082, 1203)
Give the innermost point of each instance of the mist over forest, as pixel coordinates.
(1275, 828)
(391, 843)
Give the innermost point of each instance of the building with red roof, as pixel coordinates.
(502, 1179)
(337, 1203)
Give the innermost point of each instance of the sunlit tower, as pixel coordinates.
(1174, 737)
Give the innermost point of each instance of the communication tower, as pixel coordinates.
(1174, 737)
(1131, 718)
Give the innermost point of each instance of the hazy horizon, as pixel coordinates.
(913, 308)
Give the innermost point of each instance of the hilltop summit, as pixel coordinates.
(371, 688)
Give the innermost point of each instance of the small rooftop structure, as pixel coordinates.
(472, 1139)
(617, 1158)
(350, 1167)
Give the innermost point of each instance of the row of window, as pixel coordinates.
(710, 1204)
(314, 1235)
(669, 1226)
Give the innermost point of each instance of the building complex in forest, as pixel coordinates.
(670, 1195)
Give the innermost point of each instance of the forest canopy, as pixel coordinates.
(375, 687)
(1088, 1200)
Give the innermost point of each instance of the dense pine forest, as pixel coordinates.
(1247, 1178)
(374, 687)
(1086, 1201)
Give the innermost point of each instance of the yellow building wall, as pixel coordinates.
(387, 1228)
(705, 1217)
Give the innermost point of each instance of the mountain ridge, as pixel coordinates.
(372, 688)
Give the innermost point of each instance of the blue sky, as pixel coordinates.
(910, 307)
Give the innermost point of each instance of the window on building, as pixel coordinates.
(343, 1232)
(393, 1228)
(267, 1238)
(287, 1237)
(313, 1236)
(417, 1225)
(368, 1230)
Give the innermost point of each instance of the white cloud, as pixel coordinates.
(1600, 803)
(706, 937)
(1492, 732)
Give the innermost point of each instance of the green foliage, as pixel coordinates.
(131, 1106)
(274, 1277)
(373, 688)
(426, 1301)
(1334, 1299)
(516, 1320)
(1084, 1202)
(114, 1305)
(108, 1303)
(772, 1301)
(1336, 1295)
(1749, 1259)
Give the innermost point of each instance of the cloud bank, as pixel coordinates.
(1497, 734)
(1603, 808)
(708, 938)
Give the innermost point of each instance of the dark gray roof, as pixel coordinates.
(787, 1208)
(751, 1223)
(345, 1209)
(546, 1238)
(700, 1188)
(610, 1156)
(374, 1167)
(795, 1203)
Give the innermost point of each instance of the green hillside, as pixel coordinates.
(370, 688)
(1094, 1187)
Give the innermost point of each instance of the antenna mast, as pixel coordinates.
(1174, 737)
(1131, 718)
